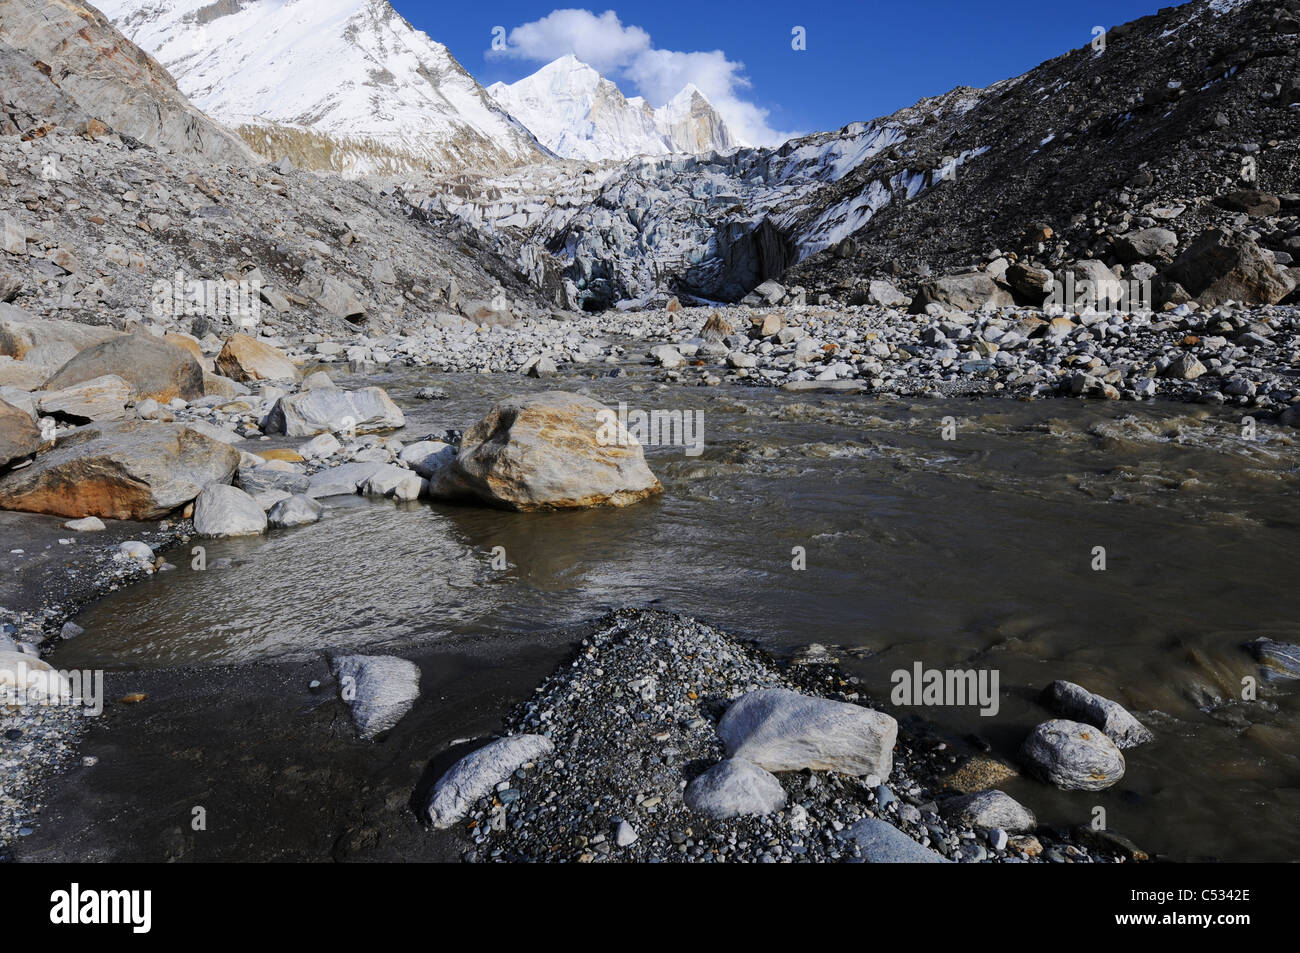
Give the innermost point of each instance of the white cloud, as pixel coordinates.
(625, 51)
(602, 42)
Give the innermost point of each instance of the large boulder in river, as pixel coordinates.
(152, 366)
(1225, 265)
(133, 470)
(331, 410)
(1074, 701)
(20, 332)
(974, 291)
(223, 511)
(781, 730)
(477, 774)
(245, 358)
(19, 435)
(1073, 756)
(547, 451)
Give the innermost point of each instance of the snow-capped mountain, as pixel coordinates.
(346, 85)
(579, 114)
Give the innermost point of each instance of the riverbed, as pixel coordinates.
(1133, 548)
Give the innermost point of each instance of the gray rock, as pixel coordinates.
(102, 398)
(222, 511)
(781, 730)
(298, 510)
(1280, 659)
(665, 355)
(882, 843)
(476, 775)
(625, 834)
(1072, 756)
(393, 482)
(340, 481)
(1147, 244)
(974, 291)
(379, 689)
(326, 410)
(735, 788)
(258, 480)
(989, 810)
(1077, 703)
(428, 457)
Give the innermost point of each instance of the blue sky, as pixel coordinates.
(863, 59)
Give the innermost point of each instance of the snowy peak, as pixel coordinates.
(346, 85)
(579, 114)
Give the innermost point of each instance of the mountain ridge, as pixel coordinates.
(578, 113)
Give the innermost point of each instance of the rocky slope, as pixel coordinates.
(579, 114)
(63, 63)
(1178, 110)
(343, 85)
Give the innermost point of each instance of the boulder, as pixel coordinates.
(781, 730)
(21, 374)
(326, 410)
(428, 457)
(20, 438)
(151, 366)
(885, 294)
(340, 481)
(989, 810)
(261, 479)
(245, 358)
(103, 398)
(20, 332)
(1078, 704)
(477, 774)
(1228, 266)
(1033, 284)
(298, 510)
(1280, 659)
(333, 296)
(1147, 244)
(880, 842)
(132, 470)
(974, 291)
(1073, 756)
(1251, 202)
(665, 355)
(735, 788)
(223, 511)
(393, 482)
(214, 385)
(187, 343)
(379, 689)
(547, 451)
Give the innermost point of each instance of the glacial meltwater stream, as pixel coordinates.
(975, 552)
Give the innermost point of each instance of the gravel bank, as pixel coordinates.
(633, 718)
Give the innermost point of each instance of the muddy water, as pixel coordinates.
(976, 552)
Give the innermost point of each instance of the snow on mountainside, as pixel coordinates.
(579, 114)
(346, 85)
